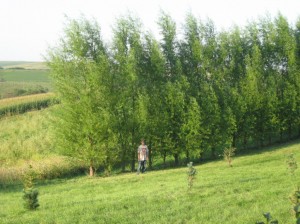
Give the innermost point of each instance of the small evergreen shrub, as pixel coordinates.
(295, 199)
(291, 164)
(191, 174)
(228, 153)
(30, 195)
(268, 218)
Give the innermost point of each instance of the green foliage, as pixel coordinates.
(228, 153)
(79, 67)
(190, 97)
(191, 174)
(190, 132)
(295, 199)
(30, 91)
(30, 193)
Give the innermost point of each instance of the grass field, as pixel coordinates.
(25, 75)
(13, 89)
(255, 184)
(23, 64)
(12, 63)
(25, 137)
(23, 82)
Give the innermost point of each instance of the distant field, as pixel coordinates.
(25, 75)
(12, 63)
(13, 89)
(23, 82)
(23, 64)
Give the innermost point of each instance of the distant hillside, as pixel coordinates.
(9, 63)
(23, 64)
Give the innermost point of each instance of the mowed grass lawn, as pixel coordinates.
(255, 184)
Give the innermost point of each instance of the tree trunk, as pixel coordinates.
(133, 161)
(270, 140)
(176, 159)
(213, 152)
(187, 153)
(234, 140)
(201, 156)
(150, 155)
(123, 162)
(245, 141)
(290, 131)
(91, 169)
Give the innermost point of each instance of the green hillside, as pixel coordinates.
(25, 75)
(23, 64)
(20, 82)
(12, 63)
(255, 184)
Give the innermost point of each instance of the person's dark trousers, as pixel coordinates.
(144, 166)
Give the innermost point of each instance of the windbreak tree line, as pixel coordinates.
(189, 94)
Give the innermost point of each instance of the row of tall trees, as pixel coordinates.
(189, 94)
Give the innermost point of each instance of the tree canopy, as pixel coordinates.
(189, 94)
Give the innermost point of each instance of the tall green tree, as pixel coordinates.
(190, 133)
(78, 65)
(126, 62)
(153, 80)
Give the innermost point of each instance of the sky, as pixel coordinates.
(29, 27)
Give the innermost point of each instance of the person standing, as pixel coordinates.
(142, 157)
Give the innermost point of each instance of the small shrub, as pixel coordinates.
(228, 153)
(295, 199)
(30, 193)
(268, 218)
(292, 164)
(191, 174)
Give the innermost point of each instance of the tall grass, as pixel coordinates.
(19, 105)
(27, 139)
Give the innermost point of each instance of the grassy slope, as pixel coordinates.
(255, 184)
(23, 80)
(25, 136)
(25, 75)
(27, 139)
